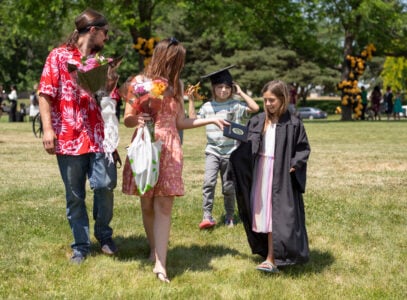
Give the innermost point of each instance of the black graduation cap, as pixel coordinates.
(221, 76)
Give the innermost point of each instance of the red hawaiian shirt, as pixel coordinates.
(76, 117)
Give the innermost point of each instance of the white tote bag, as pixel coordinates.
(144, 157)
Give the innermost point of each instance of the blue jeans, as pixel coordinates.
(102, 179)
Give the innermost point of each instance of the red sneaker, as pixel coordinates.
(207, 223)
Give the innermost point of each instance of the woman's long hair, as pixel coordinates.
(167, 62)
(83, 22)
(279, 89)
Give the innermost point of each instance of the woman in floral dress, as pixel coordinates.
(156, 205)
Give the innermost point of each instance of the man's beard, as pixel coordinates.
(97, 48)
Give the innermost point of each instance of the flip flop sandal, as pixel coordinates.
(268, 267)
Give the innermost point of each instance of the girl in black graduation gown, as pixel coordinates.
(269, 188)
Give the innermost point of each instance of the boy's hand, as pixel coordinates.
(192, 92)
(237, 89)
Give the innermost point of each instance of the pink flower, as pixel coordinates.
(148, 95)
(92, 61)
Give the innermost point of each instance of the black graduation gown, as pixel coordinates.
(292, 149)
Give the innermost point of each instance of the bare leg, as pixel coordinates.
(162, 225)
(270, 253)
(269, 265)
(147, 211)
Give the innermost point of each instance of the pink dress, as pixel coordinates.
(170, 181)
(261, 194)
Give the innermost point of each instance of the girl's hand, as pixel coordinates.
(292, 170)
(220, 123)
(142, 118)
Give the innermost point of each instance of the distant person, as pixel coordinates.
(1, 95)
(20, 115)
(12, 97)
(270, 173)
(388, 100)
(34, 104)
(375, 99)
(219, 147)
(398, 108)
(292, 107)
(363, 95)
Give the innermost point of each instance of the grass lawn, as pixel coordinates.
(356, 210)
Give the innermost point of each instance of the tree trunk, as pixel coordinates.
(346, 113)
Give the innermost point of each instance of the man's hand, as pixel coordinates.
(49, 141)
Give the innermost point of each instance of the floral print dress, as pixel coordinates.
(170, 181)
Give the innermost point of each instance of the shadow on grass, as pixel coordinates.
(196, 257)
(318, 261)
(130, 248)
(199, 258)
(180, 258)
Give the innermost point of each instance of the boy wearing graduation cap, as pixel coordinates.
(219, 147)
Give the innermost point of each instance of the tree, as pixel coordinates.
(317, 34)
(26, 37)
(395, 73)
(224, 32)
(361, 23)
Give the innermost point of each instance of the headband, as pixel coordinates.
(96, 24)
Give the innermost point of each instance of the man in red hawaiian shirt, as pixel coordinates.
(74, 131)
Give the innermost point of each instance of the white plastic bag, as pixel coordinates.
(111, 127)
(144, 157)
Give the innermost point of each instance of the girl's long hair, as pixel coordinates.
(167, 62)
(279, 89)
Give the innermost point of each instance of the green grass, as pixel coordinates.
(355, 209)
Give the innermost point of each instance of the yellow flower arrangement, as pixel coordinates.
(349, 86)
(145, 48)
(158, 88)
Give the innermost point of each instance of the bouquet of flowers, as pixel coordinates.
(145, 95)
(97, 75)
